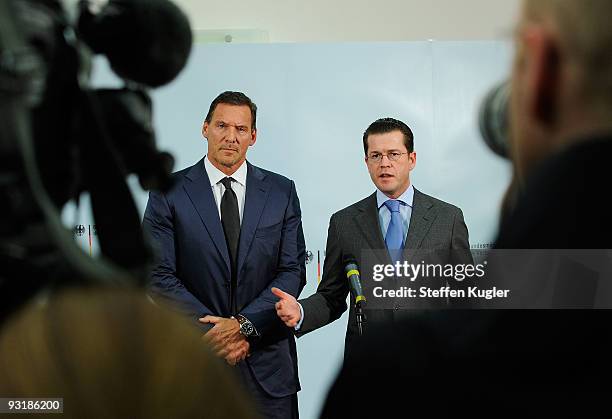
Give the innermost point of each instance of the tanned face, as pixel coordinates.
(229, 136)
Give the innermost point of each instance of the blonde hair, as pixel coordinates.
(112, 354)
(586, 33)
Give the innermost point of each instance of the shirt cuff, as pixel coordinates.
(297, 326)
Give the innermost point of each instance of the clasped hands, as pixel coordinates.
(226, 339)
(225, 335)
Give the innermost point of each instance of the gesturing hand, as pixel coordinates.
(287, 308)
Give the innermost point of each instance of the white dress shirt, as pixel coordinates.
(239, 185)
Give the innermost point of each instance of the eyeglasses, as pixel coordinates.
(392, 155)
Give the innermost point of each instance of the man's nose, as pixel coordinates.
(231, 134)
(384, 163)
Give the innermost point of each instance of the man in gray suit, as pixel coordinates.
(396, 217)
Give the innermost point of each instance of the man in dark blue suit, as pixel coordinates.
(227, 233)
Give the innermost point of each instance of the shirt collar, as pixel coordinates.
(406, 198)
(215, 175)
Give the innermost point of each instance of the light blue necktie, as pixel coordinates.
(395, 232)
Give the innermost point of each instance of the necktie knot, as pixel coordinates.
(227, 182)
(393, 205)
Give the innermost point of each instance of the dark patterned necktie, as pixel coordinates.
(230, 219)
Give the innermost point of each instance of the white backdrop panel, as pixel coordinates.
(315, 101)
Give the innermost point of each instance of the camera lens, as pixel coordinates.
(493, 119)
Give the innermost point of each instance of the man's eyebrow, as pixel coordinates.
(221, 121)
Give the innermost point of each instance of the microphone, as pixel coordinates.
(352, 274)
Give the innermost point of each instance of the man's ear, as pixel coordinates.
(205, 130)
(543, 74)
(253, 137)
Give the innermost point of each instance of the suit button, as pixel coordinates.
(396, 307)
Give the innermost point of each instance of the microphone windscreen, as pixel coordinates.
(146, 41)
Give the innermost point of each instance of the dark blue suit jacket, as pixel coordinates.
(193, 267)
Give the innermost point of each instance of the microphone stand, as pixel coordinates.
(361, 317)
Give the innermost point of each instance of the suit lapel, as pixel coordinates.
(368, 222)
(423, 215)
(201, 195)
(255, 200)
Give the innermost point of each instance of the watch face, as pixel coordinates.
(247, 329)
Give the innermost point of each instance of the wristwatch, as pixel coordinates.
(246, 327)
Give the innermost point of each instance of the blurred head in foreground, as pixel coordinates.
(112, 354)
(562, 78)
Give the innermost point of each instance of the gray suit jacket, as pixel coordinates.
(434, 224)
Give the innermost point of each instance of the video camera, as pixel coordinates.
(60, 137)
